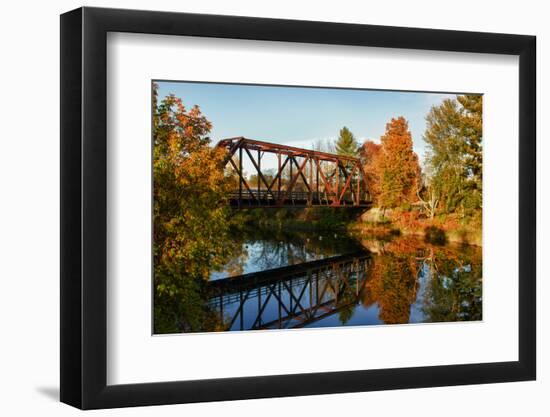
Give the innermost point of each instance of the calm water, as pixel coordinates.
(315, 279)
(261, 251)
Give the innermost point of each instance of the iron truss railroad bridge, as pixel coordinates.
(303, 177)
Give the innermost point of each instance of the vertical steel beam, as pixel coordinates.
(290, 176)
(240, 175)
(337, 202)
(317, 181)
(357, 193)
(259, 174)
(279, 175)
(241, 321)
(279, 297)
(259, 319)
(310, 181)
(289, 181)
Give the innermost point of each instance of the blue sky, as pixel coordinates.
(299, 116)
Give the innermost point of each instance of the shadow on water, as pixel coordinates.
(435, 235)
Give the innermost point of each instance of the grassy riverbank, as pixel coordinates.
(312, 218)
(441, 229)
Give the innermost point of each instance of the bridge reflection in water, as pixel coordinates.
(290, 297)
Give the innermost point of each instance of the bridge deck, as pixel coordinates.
(265, 198)
(255, 279)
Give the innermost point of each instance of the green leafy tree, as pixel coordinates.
(454, 153)
(346, 143)
(445, 154)
(454, 290)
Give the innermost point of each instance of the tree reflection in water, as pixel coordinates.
(404, 281)
(451, 275)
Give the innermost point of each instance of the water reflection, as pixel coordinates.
(299, 280)
(261, 250)
(294, 296)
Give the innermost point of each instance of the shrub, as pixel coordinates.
(435, 235)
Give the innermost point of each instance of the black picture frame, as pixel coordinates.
(84, 207)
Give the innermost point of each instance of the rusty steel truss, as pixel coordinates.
(303, 177)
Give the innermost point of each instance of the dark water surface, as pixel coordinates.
(281, 280)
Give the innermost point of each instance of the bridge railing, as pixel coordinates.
(265, 197)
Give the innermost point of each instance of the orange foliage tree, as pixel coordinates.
(392, 285)
(370, 157)
(399, 169)
(190, 222)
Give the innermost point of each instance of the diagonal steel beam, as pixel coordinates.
(292, 183)
(239, 310)
(278, 176)
(259, 172)
(346, 185)
(242, 178)
(261, 311)
(325, 181)
(301, 173)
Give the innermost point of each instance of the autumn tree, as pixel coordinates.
(346, 143)
(370, 158)
(190, 228)
(393, 281)
(399, 170)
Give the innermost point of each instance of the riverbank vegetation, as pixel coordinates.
(311, 218)
(443, 200)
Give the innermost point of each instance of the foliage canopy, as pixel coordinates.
(190, 226)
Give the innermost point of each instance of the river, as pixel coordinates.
(279, 280)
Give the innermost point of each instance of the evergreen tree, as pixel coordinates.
(472, 131)
(346, 143)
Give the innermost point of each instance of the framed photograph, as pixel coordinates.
(258, 208)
